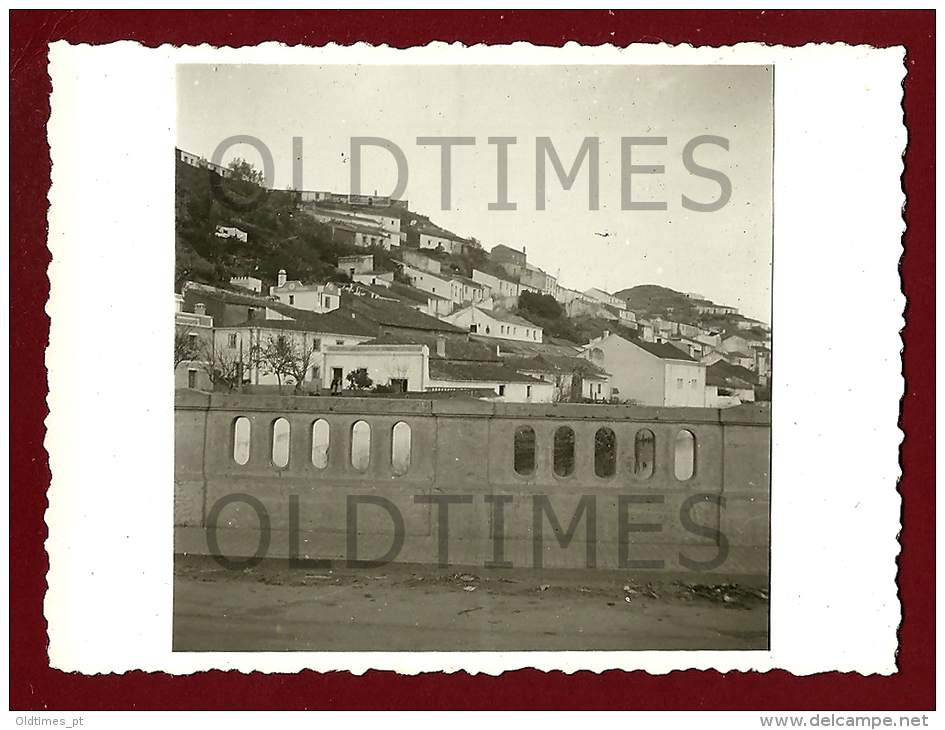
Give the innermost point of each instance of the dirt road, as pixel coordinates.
(403, 607)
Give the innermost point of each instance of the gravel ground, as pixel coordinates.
(404, 607)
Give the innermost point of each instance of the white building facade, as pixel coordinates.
(495, 324)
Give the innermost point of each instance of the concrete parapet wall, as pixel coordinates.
(466, 447)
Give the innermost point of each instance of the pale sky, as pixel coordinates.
(724, 255)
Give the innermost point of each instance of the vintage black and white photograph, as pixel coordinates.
(472, 358)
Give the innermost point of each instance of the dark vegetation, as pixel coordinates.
(660, 301)
(545, 311)
(279, 236)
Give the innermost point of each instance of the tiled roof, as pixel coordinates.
(466, 280)
(205, 291)
(524, 348)
(477, 372)
(412, 293)
(381, 291)
(662, 350)
(330, 205)
(337, 322)
(506, 317)
(501, 248)
(557, 364)
(395, 314)
(355, 227)
(531, 365)
(432, 229)
(457, 348)
(728, 371)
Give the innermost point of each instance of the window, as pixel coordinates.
(191, 378)
(321, 439)
(528, 391)
(361, 445)
(241, 437)
(474, 328)
(232, 341)
(501, 390)
(524, 450)
(685, 455)
(644, 453)
(564, 452)
(487, 329)
(280, 443)
(400, 448)
(679, 382)
(339, 342)
(291, 298)
(605, 452)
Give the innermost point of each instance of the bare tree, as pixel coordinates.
(562, 393)
(299, 361)
(277, 357)
(186, 347)
(227, 366)
(400, 371)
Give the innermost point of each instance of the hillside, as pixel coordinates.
(281, 236)
(278, 236)
(658, 300)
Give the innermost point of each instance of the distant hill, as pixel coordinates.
(655, 299)
(660, 301)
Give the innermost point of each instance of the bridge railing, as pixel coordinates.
(322, 450)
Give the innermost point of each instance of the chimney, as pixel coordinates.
(440, 346)
(282, 277)
(605, 335)
(200, 309)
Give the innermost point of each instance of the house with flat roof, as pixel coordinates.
(429, 362)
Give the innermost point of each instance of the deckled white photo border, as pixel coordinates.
(839, 140)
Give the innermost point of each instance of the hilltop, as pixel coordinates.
(658, 300)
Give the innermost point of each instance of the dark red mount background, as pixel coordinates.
(33, 686)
